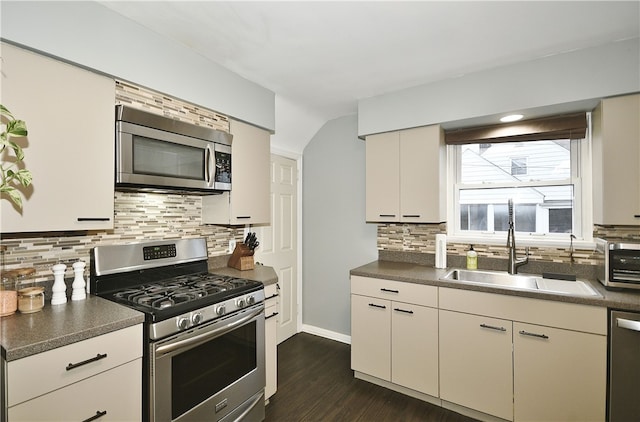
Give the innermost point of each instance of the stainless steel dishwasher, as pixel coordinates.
(624, 366)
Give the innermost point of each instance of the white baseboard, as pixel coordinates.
(331, 335)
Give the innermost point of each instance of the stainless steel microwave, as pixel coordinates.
(157, 153)
(620, 264)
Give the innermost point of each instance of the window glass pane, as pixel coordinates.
(560, 220)
(541, 209)
(508, 162)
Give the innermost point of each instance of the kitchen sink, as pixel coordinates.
(521, 282)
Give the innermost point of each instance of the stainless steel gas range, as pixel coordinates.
(204, 333)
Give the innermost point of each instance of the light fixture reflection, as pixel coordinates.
(511, 118)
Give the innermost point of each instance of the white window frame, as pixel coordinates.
(581, 179)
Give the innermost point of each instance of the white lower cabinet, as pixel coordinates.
(98, 378)
(271, 340)
(114, 395)
(393, 340)
(476, 368)
(558, 374)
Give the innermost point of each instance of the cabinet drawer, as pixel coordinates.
(398, 291)
(118, 392)
(39, 374)
(571, 316)
(271, 293)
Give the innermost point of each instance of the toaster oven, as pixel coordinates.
(620, 265)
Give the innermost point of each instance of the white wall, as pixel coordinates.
(91, 35)
(335, 235)
(597, 72)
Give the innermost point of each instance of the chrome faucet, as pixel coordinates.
(514, 262)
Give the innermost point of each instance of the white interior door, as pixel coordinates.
(278, 241)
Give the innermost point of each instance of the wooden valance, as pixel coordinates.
(568, 126)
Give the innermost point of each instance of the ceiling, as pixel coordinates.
(325, 56)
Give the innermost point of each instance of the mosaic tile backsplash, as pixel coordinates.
(421, 238)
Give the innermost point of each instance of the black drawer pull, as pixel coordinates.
(636, 216)
(390, 291)
(526, 333)
(271, 316)
(491, 327)
(272, 296)
(243, 216)
(84, 362)
(93, 219)
(98, 415)
(411, 215)
(387, 215)
(403, 310)
(378, 306)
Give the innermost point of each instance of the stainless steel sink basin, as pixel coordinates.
(493, 278)
(521, 282)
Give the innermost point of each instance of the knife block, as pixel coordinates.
(241, 258)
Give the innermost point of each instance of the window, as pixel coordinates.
(542, 177)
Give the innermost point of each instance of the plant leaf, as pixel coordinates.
(24, 176)
(17, 150)
(5, 111)
(14, 194)
(17, 128)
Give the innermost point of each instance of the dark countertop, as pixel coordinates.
(22, 335)
(423, 274)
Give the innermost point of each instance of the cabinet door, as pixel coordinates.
(414, 347)
(69, 150)
(422, 177)
(558, 374)
(250, 169)
(271, 340)
(476, 363)
(371, 336)
(383, 177)
(616, 150)
(115, 394)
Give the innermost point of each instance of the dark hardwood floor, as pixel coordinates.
(316, 383)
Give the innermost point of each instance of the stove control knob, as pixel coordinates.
(251, 300)
(221, 310)
(183, 323)
(240, 303)
(196, 318)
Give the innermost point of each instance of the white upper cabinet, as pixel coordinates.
(616, 161)
(249, 200)
(405, 175)
(69, 114)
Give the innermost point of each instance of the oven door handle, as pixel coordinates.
(204, 337)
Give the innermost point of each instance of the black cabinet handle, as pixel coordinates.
(403, 310)
(98, 415)
(491, 327)
(636, 216)
(271, 316)
(240, 217)
(272, 296)
(526, 333)
(390, 291)
(84, 362)
(387, 215)
(377, 306)
(93, 219)
(411, 215)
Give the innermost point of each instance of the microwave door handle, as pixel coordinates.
(210, 165)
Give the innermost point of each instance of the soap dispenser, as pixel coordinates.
(472, 259)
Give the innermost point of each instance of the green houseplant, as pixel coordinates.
(13, 173)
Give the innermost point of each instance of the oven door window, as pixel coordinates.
(160, 158)
(203, 371)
